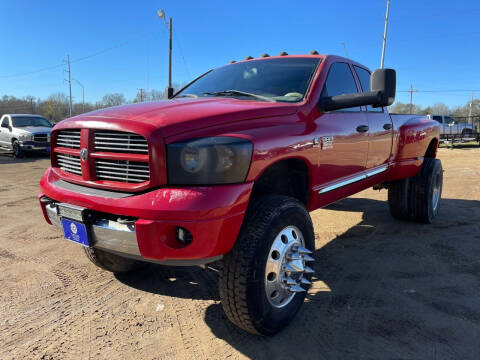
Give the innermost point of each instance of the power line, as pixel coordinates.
(440, 91)
(177, 40)
(141, 37)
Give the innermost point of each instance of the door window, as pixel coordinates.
(364, 77)
(340, 81)
(5, 122)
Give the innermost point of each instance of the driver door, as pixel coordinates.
(342, 136)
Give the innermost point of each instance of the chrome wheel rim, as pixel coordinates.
(286, 268)
(437, 189)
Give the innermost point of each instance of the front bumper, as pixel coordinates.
(35, 146)
(212, 214)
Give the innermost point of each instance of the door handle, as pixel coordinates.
(362, 128)
(387, 126)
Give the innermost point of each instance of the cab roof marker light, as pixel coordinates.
(283, 53)
(314, 52)
(249, 57)
(264, 55)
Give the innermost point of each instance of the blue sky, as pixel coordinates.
(432, 44)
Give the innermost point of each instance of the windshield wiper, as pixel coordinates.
(238, 92)
(187, 95)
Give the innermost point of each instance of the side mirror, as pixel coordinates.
(382, 93)
(385, 82)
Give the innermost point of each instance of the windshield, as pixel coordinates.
(285, 80)
(23, 121)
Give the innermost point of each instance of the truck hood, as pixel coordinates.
(182, 115)
(28, 130)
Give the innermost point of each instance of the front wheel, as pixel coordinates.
(264, 279)
(17, 150)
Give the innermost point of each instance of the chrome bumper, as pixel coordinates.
(106, 234)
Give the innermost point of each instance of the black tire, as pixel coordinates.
(17, 150)
(421, 200)
(242, 274)
(467, 131)
(111, 262)
(398, 199)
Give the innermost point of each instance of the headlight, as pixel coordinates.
(208, 161)
(25, 137)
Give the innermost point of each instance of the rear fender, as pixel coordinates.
(415, 137)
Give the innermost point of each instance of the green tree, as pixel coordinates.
(114, 99)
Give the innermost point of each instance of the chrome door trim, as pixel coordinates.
(377, 171)
(353, 180)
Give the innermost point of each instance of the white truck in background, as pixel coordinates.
(450, 126)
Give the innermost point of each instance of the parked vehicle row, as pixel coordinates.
(22, 133)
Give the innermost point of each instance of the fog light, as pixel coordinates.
(184, 236)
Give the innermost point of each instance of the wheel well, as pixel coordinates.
(286, 177)
(432, 149)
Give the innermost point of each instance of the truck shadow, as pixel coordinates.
(6, 157)
(383, 289)
(181, 282)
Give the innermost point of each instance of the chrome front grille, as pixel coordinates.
(69, 138)
(69, 163)
(122, 170)
(40, 137)
(121, 142)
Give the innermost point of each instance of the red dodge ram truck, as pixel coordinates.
(228, 169)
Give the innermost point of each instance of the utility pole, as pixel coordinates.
(411, 91)
(470, 110)
(69, 84)
(83, 94)
(345, 48)
(33, 109)
(385, 36)
(141, 94)
(169, 89)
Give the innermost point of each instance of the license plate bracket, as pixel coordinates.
(71, 212)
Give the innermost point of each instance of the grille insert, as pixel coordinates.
(40, 137)
(69, 163)
(122, 170)
(120, 142)
(69, 139)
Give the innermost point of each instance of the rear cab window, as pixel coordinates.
(364, 77)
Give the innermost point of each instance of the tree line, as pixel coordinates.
(438, 108)
(56, 106)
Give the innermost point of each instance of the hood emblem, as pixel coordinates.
(84, 154)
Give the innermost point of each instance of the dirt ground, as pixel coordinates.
(384, 289)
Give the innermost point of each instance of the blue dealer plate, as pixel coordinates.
(75, 231)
